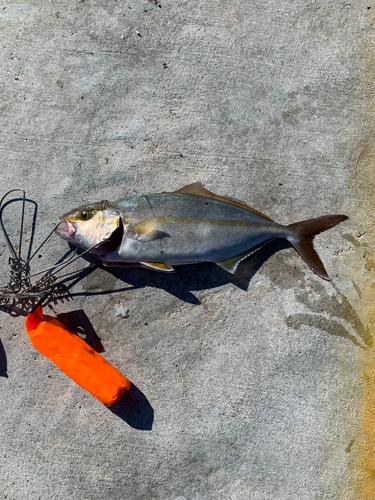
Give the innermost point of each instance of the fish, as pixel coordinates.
(188, 226)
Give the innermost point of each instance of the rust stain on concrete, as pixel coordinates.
(362, 266)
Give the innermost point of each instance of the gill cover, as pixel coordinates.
(89, 225)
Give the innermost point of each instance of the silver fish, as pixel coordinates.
(188, 226)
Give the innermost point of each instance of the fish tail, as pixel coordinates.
(302, 236)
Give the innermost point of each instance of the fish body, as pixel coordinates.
(188, 226)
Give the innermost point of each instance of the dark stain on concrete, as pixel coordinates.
(348, 449)
(351, 239)
(331, 326)
(333, 314)
(291, 115)
(335, 306)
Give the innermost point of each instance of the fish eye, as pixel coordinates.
(85, 215)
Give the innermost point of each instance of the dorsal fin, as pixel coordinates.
(196, 189)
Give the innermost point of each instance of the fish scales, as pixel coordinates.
(193, 229)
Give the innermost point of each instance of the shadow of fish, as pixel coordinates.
(188, 226)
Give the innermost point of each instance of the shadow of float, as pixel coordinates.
(79, 323)
(134, 409)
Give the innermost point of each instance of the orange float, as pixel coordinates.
(76, 358)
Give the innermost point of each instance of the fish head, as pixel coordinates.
(89, 225)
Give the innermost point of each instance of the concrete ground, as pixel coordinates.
(245, 386)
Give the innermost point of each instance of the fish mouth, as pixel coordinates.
(68, 230)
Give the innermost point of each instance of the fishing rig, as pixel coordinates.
(67, 350)
(23, 284)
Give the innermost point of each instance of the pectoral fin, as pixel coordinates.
(157, 266)
(145, 231)
(152, 235)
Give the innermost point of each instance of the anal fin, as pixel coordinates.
(231, 264)
(158, 266)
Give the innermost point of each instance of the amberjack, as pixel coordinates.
(188, 226)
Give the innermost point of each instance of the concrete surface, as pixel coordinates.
(245, 387)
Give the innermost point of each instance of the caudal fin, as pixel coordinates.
(302, 239)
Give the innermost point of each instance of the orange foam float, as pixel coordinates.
(76, 358)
